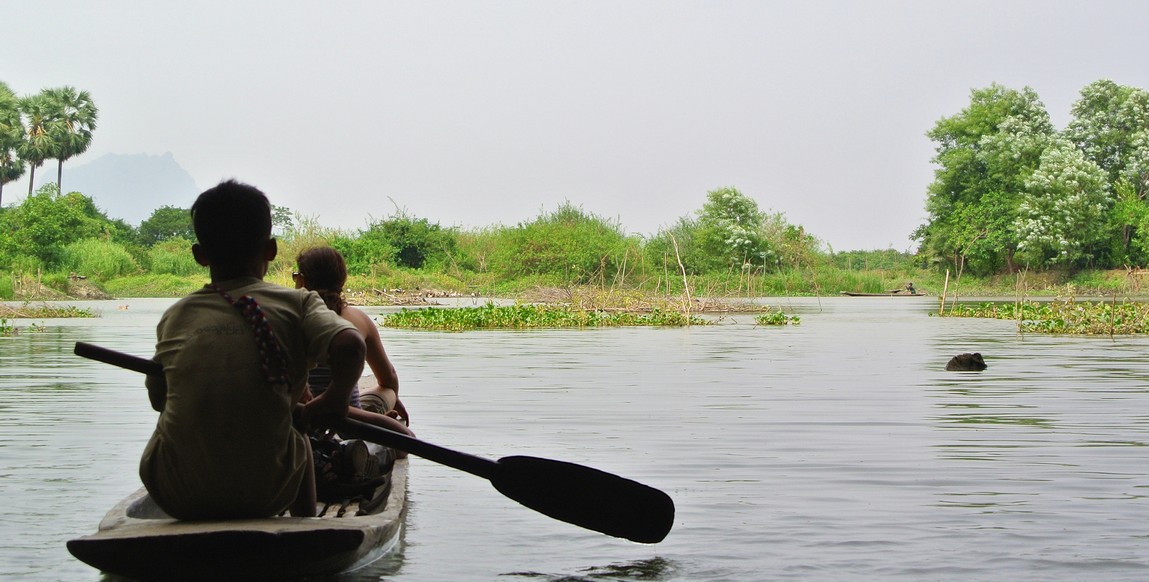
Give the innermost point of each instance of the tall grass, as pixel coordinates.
(7, 281)
(98, 259)
(305, 233)
(174, 257)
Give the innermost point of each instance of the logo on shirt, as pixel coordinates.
(221, 329)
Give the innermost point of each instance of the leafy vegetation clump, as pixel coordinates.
(1065, 316)
(491, 316)
(777, 318)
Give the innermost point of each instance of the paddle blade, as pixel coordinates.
(586, 497)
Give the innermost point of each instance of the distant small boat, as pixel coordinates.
(898, 293)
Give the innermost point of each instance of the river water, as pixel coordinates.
(834, 449)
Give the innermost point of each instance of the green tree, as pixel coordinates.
(43, 224)
(37, 144)
(1108, 122)
(677, 247)
(11, 133)
(72, 118)
(730, 230)
(1111, 126)
(985, 154)
(1129, 220)
(1062, 216)
(282, 219)
(796, 249)
(166, 222)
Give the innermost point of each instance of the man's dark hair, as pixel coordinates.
(232, 222)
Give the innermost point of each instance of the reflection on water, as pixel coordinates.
(836, 449)
(639, 570)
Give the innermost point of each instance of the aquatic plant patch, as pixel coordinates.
(777, 318)
(28, 311)
(1064, 316)
(492, 316)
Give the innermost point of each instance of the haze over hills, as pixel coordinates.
(127, 186)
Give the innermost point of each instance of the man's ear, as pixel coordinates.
(270, 250)
(200, 256)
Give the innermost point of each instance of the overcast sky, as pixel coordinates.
(483, 113)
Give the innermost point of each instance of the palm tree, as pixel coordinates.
(72, 117)
(11, 132)
(37, 144)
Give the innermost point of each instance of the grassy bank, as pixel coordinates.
(397, 286)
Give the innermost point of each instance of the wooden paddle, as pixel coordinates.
(576, 494)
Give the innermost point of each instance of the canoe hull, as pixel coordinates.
(137, 541)
(853, 294)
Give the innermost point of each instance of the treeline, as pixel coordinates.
(1011, 192)
(67, 233)
(55, 124)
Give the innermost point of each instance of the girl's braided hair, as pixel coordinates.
(326, 273)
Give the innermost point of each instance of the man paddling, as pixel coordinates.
(235, 356)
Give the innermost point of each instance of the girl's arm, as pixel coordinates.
(377, 359)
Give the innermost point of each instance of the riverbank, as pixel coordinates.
(412, 289)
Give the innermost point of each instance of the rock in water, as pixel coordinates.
(966, 363)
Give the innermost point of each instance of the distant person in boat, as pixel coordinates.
(323, 270)
(235, 356)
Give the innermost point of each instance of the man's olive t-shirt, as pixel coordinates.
(224, 446)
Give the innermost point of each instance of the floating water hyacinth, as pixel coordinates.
(776, 318)
(491, 316)
(1065, 316)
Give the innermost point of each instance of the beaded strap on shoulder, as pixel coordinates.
(269, 346)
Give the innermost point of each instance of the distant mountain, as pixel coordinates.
(127, 186)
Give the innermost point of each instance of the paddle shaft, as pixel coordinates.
(579, 495)
(348, 427)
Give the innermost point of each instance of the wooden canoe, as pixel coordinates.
(887, 294)
(137, 540)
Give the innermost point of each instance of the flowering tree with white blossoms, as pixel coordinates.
(731, 229)
(1111, 126)
(1062, 216)
(984, 155)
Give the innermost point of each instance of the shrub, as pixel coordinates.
(569, 243)
(400, 240)
(477, 248)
